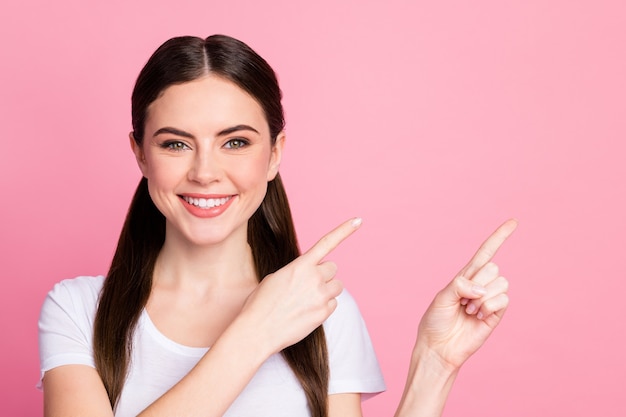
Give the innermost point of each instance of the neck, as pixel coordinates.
(185, 265)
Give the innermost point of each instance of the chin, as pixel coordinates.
(215, 235)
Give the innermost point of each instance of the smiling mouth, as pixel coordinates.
(206, 202)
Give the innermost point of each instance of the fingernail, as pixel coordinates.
(356, 222)
(479, 316)
(464, 301)
(479, 290)
(470, 308)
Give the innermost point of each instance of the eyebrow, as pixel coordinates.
(224, 132)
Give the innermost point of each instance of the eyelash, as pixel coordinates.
(242, 143)
(174, 145)
(178, 146)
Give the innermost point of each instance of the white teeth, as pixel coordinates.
(206, 202)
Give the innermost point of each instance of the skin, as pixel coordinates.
(200, 282)
(448, 335)
(205, 270)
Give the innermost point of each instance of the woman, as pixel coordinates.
(208, 257)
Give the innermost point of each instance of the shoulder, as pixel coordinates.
(77, 297)
(84, 286)
(80, 291)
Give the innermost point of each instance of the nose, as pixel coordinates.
(205, 168)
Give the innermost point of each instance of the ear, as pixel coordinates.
(139, 155)
(276, 156)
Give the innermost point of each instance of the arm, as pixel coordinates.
(283, 309)
(208, 390)
(427, 387)
(459, 320)
(344, 405)
(75, 390)
(219, 377)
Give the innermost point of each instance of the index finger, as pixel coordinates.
(331, 240)
(488, 249)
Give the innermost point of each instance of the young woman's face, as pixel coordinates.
(208, 156)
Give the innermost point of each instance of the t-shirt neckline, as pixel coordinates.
(165, 341)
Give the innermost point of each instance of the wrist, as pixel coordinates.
(428, 384)
(247, 333)
(428, 358)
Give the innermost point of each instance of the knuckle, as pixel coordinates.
(487, 307)
(484, 255)
(505, 300)
(324, 243)
(504, 283)
(327, 271)
(457, 285)
(331, 305)
(493, 267)
(494, 304)
(458, 281)
(334, 288)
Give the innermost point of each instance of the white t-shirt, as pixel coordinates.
(158, 363)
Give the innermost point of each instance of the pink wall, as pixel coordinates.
(434, 121)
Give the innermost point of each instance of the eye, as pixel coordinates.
(174, 145)
(236, 143)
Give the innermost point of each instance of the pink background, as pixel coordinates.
(434, 121)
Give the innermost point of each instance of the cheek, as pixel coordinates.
(164, 173)
(253, 174)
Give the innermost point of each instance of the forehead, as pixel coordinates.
(205, 105)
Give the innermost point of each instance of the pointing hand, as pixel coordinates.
(462, 315)
(293, 301)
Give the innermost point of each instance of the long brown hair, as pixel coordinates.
(271, 233)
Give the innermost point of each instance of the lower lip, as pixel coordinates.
(207, 212)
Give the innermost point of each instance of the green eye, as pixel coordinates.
(174, 146)
(236, 143)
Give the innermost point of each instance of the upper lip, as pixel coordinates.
(206, 196)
